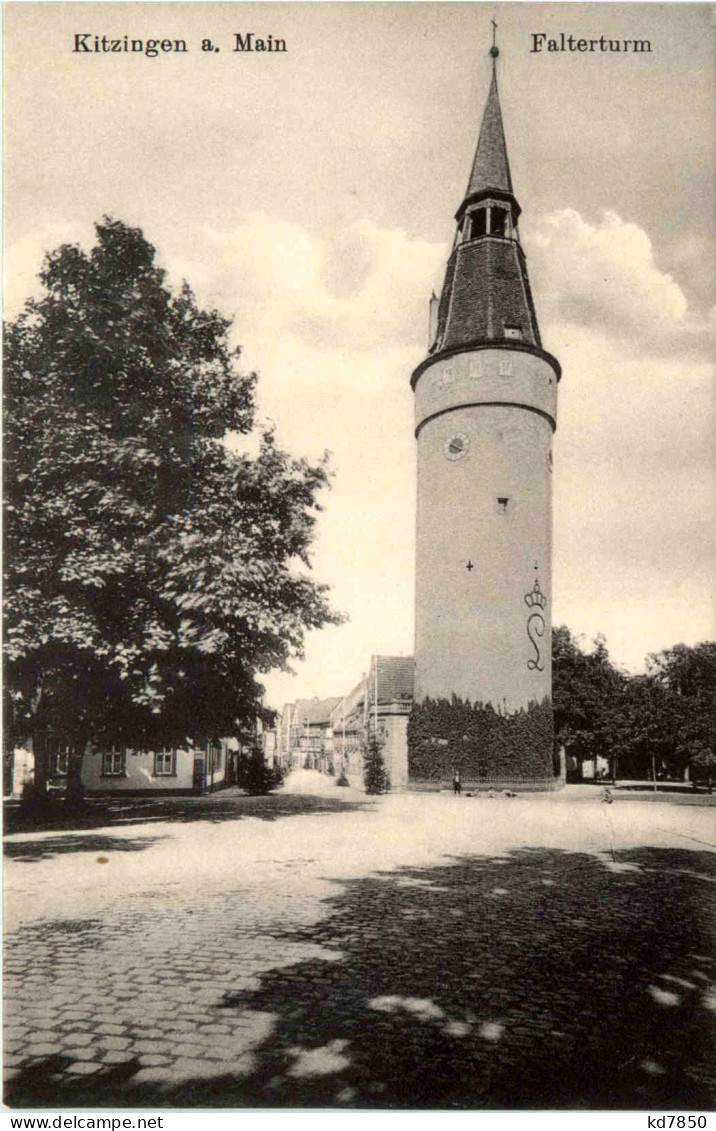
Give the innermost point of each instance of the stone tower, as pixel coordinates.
(485, 413)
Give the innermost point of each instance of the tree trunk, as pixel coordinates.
(75, 793)
(8, 768)
(653, 772)
(35, 795)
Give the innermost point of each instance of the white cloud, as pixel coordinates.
(634, 479)
(361, 289)
(604, 277)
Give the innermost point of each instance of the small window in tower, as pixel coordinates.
(513, 332)
(498, 222)
(478, 223)
(502, 504)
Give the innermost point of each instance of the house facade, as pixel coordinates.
(187, 770)
(304, 735)
(378, 705)
(19, 767)
(330, 734)
(123, 769)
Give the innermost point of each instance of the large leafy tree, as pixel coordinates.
(687, 679)
(587, 697)
(648, 727)
(152, 573)
(662, 720)
(668, 715)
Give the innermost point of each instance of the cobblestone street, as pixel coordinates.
(323, 949)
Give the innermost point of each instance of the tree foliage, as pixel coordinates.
(586, 689)
(152, 573)
(687, 679)
(663, 720)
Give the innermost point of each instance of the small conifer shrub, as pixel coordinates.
(255, 776)
(375, 776)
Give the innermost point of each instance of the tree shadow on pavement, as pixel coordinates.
(228, 805)
(30, 851)
(538, 980)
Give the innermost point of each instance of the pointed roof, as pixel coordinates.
(486, 300)
(491, 169)
(314, 712)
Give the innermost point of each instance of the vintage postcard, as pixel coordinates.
(359, 610)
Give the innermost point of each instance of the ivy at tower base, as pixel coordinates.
(490, 749)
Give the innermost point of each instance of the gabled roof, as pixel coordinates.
(491, 169)
(315, 712)
(395, 677)
(395, 681)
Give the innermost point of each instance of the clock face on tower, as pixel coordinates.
(457, 446)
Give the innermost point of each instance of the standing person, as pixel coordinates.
(456, 786)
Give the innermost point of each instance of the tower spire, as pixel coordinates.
(491, 168)
(486, 296)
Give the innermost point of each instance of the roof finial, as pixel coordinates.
(494, 50)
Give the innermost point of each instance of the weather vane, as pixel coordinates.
(494, 50)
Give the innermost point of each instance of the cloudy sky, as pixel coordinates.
(310, 194)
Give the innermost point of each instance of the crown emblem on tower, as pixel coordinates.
(535, 598)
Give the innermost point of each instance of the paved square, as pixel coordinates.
(319, 948)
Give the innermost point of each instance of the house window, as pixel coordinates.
(214, 757)
(165, 764)
(113, 763)
(62, 763)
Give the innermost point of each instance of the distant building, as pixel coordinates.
(348, 722)
(379, 704)
(304, 737)
(270, 740)
(329, 734)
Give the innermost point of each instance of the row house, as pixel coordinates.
(188, 769)
(378, 705)
(304, 736)
(180, 770)
(330, 734)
